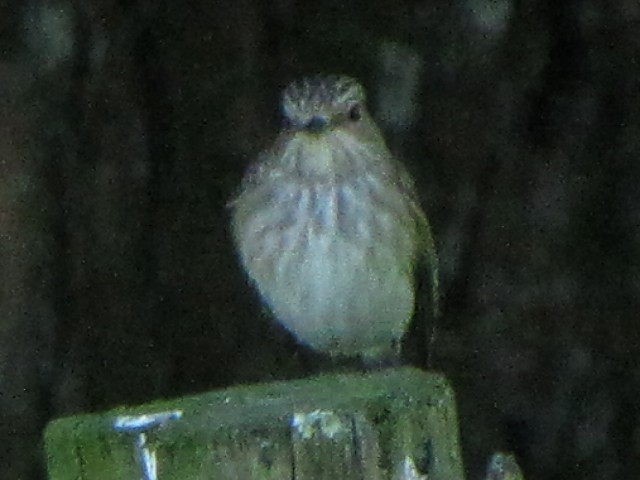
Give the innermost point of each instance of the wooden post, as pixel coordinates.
(391, 424)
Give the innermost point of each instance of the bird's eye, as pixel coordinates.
(355, 113)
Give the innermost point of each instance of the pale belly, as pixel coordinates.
(340, 292)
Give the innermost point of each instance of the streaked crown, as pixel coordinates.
(320, 100)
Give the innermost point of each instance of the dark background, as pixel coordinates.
(125, 128)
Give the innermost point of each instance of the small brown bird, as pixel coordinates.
(329, 228)
(503, 466)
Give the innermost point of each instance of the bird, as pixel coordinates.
(503, 466)
(328, 225)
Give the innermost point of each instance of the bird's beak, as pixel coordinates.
(317, 124)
